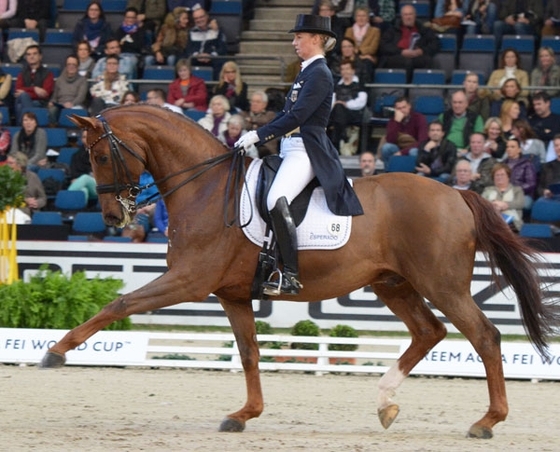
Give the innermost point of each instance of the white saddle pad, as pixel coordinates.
(320, 229)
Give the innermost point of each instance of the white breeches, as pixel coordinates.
(294, 173)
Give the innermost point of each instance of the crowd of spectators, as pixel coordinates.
(482, 126)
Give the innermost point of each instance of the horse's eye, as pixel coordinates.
(102, 159)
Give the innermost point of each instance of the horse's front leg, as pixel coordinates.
(242, 320)
(167, 290)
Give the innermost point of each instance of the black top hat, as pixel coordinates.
(309, 23)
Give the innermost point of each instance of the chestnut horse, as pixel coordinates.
(417, 240)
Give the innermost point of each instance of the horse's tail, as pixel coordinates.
(516, 260)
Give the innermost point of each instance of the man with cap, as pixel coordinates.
(305, 149)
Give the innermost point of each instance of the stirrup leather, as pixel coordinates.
(285, 284)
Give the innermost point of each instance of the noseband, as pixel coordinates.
(119, 166)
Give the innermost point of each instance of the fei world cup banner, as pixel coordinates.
(138, 264)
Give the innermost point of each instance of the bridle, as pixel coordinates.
(119, 166)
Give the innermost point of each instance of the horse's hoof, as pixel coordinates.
(387, 415)
(52, 361)
(231, 425)
(477, 431)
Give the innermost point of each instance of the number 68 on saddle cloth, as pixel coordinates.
(320, 229)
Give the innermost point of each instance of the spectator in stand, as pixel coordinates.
(349, 51)
(81, 176)
(550, 173)
(31, 140)
(481, 15)
(132, 37)
(34, 84)
(348, 103)
(547, 72)
(7, 11)
(509, 112)
(545, 123)
(31, 15)
(531, 146)
(459, 122)
(509, 68)
(109, 87)
(128, 64)
(382, 13)
(364, 35)
(157, 97)
(171, 39)
(217, 117)
(481, 161)
(551, 26)
(523, 172)
(93, 28)
(187, 91)
(478, 100)
(257, 116)
(520, 17)
(6, 98)
(150, 15)
(448, 16)
(235, 130)
(367, 164)
(511, 90)
(462, 178)
(495, 144)
(85, 60)
(338, 26)
(505, 196)
(130, 97)
(70, 90)
(436, 155)
(233, 87)
(34, 194)
(405, 130)
(408, 45)
(5, 142)
(206, 40)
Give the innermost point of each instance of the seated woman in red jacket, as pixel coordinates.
(187, 91)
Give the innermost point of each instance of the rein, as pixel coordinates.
(235, 176)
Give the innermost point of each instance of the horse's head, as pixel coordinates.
(117, 163)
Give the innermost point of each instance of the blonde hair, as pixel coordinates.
(231, 66)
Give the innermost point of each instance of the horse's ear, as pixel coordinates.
(84, 122)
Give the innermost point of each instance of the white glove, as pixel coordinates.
(247, 140)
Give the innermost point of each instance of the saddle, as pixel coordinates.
(298, 209)
(267, 174)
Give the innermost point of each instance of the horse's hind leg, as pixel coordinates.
(485, 338)
(425, 330)
(242, 320)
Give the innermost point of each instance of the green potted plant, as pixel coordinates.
(343, 331)
(302, 328)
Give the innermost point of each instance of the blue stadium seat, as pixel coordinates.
(58, 36)
(226, 7)
(401, 163)
(166, 73)
(429, 106)
(76, 5)
(54, 173)
(47, 218)
(388, 77)
(70, 200)
(545, 211)
(16, 33)
(458, 76)
(54, 68)
(117, 6)
(478, 54)
(65, 155)
(427, 77)
(195, 115)
(536, 230)
(446, 58)
(555, 105)
(88, 223)
(204, 72)
(117, 238)
(56, 137)
(12, 68)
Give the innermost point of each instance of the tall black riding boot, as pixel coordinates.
(286, 237)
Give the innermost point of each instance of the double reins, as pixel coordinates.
(236, 175)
